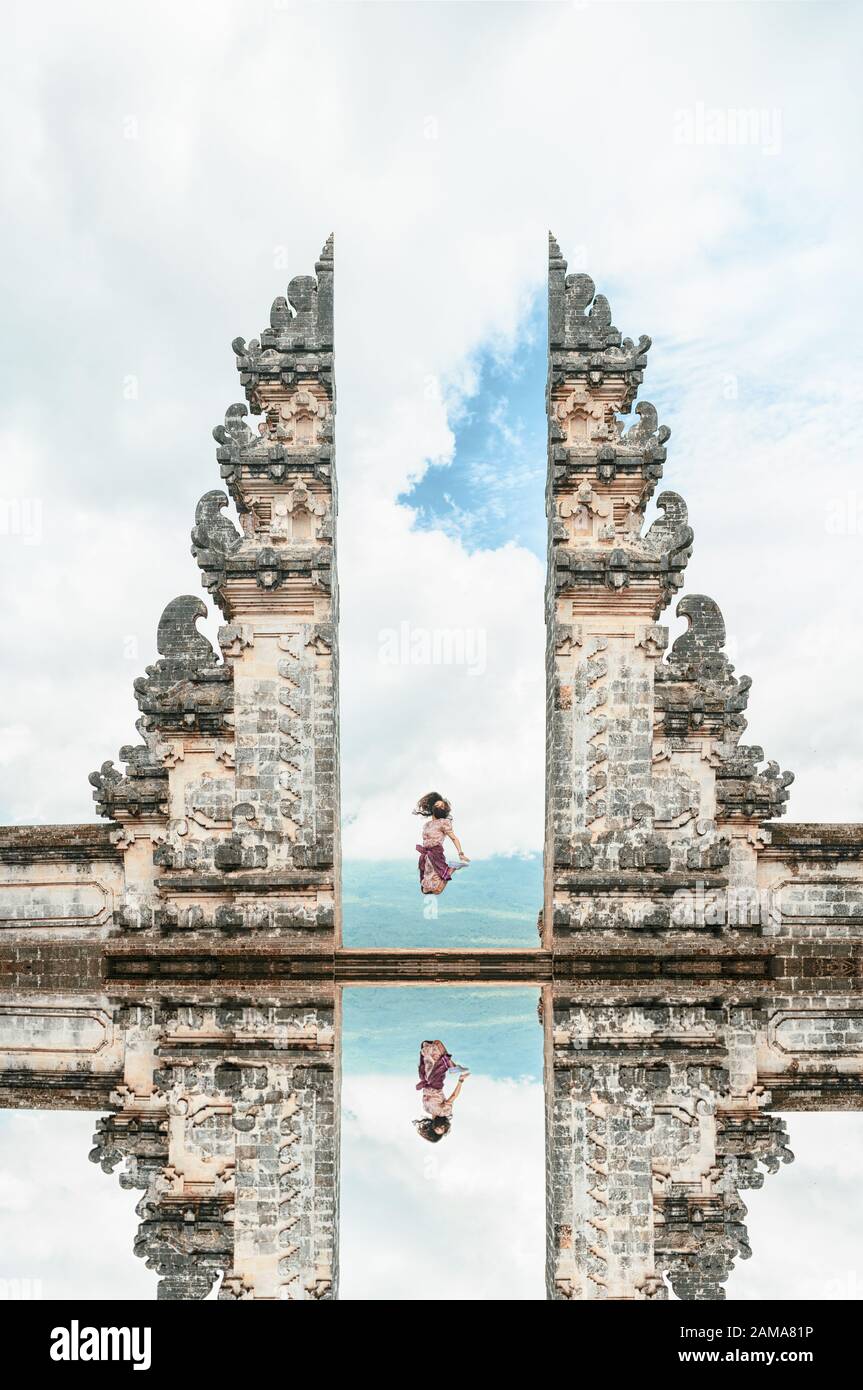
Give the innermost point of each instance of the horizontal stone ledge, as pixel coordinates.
(818, 971)
(665, 946)
(243, 881)
(450, 965)
(48, 1090)
(707, 1051)
(288, 992)
(653, 967)
(27, 844)
(249, 1053)
(822, 921)
(617, 882)
(271, 961)
(203, 969)
(674, 936)
(825, 946)
(813, 1090)
(812, 840)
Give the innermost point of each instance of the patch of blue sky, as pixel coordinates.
(493, 490)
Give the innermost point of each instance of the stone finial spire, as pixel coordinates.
(300, 330)
(602, 475)
(282, 478)
(582, 340)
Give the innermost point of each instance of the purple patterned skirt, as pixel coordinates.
(435, 872)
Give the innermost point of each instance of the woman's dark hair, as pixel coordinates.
(426, 1129)
(426, 806)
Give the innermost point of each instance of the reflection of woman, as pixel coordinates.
(434, 1067)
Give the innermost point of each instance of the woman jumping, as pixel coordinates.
(435, 1065)
(435, 872)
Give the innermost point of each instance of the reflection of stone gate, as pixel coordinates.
(179, 967)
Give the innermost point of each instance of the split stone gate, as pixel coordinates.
(177, 967)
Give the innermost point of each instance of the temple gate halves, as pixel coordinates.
(178, 968)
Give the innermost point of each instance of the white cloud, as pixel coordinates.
(68, 1228)
(461, 1219)
(805, 1225)
(171, 169)
(466, 1215)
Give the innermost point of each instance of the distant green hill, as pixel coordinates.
(494, 902)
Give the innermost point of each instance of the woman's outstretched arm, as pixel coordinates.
(448, 1100)
(452, 835)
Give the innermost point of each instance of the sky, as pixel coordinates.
(169, 168)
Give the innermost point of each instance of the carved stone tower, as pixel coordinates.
(654, 818)
(646, 785)
(230, 807)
